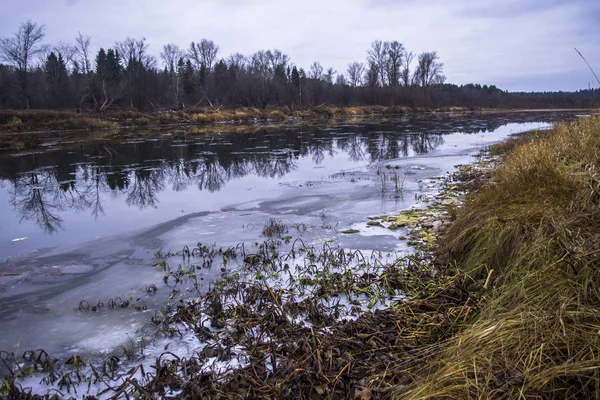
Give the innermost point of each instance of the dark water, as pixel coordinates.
(82, 219)
(76, 191)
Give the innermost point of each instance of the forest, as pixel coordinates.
(125, 76)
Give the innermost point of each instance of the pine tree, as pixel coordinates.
(295, 78)
(222, 82)
(51, 68)
(63, 75)
(113, 66)
(101, 65)
(55, 73)
(189, 87)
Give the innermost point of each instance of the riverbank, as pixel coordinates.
(62, 120)
(530, 236)
(29, 130)
(36, 121)
(509, 306)
(295, 321)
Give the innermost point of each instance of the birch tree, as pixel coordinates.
(20, 49)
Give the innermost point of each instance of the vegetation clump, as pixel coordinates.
(274, 228)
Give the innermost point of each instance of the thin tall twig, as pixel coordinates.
(588, 64)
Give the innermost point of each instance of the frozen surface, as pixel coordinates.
(81, 224)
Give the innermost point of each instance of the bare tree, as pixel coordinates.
(377, 57)
(82, 53)
(260, 64)
(170, 55)
(42, 55)
(429, 70)
(356, 72)
(135, 51)
(194, 55)
(208, 51)
(405, 73)
(395, 53)
(138, 64)
(68, 52)
(204, 53)
(278, 59)
(83, 64)
(19, 51)
(238, 61)
(316, 71)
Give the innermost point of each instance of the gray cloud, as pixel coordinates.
(514, 44)
(509, 8)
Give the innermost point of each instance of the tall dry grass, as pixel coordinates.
(537, 225)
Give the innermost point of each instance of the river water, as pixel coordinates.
(83, 219)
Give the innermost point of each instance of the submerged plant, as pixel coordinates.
(399, 179)
(274, 228)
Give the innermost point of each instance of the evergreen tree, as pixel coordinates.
(51, 68)
(101, 65)
(113, 66)
(189, 87)
(56, 77)
(295, 78)
(222, 81)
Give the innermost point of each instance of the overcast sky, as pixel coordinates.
(517, 45)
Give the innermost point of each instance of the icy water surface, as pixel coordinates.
(82, 220)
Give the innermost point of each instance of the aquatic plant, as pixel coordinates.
(274, 228)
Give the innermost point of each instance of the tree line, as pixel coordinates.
(70, 76)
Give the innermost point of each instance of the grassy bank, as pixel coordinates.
(531, 237)
(12, 121)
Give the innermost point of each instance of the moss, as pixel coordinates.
(375, 223)
(403, 221)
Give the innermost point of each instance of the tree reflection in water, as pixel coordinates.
(145, 185)
(36, 199)
(45, 185)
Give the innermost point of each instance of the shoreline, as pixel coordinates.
(41, 121)
(109, 126)
(514, 241)
(410, 275)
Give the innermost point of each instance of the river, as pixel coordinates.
(82, 220)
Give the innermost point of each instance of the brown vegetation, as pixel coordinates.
(12, 121)
(534, 226)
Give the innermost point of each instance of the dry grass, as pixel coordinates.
(536, 225)
(13, 121)
(276, 114)
(274, 228)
